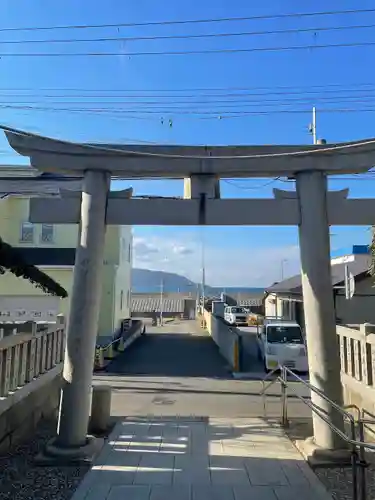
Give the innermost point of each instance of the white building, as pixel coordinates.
(284, 299)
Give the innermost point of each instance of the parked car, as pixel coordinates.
(235, 315)
(282, 343)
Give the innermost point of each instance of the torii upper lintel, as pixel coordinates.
(129, 161)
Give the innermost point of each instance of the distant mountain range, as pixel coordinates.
(146, 281)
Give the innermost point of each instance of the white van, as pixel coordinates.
(282, 343)
(235, 315)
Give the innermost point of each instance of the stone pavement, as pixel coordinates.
(166, 458)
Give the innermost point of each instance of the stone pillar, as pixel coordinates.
(320, 322)
(84, 313)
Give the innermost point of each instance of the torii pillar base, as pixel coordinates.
(53, 455)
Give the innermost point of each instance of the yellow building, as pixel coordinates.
(52, 249)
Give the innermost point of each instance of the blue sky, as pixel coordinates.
(234, 256)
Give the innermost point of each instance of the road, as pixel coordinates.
(177, 370)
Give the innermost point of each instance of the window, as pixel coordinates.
(46, 235)
(121, 299)
(27, 233)
(284, 334)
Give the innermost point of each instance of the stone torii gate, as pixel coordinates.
(311, 207)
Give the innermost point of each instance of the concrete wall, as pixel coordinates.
(357, 354)
(226, 339)
(21, 411)
(363, 397)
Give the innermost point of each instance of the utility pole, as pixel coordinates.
(312, 126)
(161, 302)
(203, 274)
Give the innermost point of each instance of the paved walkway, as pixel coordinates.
(199, 459)
(187, 431)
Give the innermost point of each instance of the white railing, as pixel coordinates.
(24, 357)
(357, 353)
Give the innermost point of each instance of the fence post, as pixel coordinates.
(14, 374)
(343, 353)
(5, 365)
(31, 359)
(284, 398)
(23, 364)
(368, 354)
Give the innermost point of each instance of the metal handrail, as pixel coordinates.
(113, 342)
(316, 408)
(357, 460)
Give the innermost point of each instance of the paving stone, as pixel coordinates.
(255, 493)
(191, 470)
(129, 493)
(155, 469)
(265, 472)
(181, 492)
(294, 492)
(294, 473)
(212, 493)
(228, 470)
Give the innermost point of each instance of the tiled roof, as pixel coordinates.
(250, 302)
(149, 304)
(293, 285)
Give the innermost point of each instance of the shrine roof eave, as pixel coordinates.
(134, 161)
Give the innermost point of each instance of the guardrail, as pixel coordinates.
(122, 339)
(25, 357)
(358, 447)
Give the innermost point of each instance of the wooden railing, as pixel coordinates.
(357, 353)
(24, 357)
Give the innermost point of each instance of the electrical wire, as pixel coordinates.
(250, 188)
(191, 21)
(127, 152)
(233, 95)
(127, 39)
(350, 87)
(174, 103)
(286, 48)
(160, 114)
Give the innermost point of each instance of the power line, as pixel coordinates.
(191, 21)
(250, 188)
(233, 95)
(315, 30)
(190, 52)
(216, 114)
(177, 104)
(347, 87)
